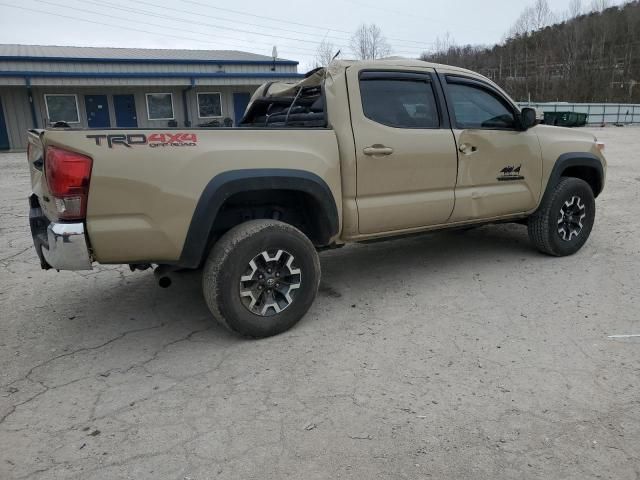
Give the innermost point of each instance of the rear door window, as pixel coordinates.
(400, 101)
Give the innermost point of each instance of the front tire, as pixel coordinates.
(261, 278)
(563, 222)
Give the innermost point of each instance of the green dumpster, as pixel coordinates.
(565, 119)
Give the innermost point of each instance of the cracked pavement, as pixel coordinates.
(457, 355)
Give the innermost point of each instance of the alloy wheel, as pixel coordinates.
(270, 282)
(570, 218)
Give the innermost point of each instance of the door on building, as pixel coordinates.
(97, 111)
(125, 107)
(240, 102)
(4, 136)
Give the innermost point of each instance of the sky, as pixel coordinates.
(295, 28)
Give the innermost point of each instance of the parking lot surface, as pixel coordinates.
(460, 355)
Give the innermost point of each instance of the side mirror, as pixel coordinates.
(528, 118)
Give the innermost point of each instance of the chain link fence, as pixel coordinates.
(597, 113)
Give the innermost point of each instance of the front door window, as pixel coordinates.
(475, 107)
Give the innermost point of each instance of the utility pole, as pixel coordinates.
(274, 55)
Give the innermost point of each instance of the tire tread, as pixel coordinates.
(539, 224)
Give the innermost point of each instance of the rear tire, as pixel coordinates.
(563, 222)
(261, 278)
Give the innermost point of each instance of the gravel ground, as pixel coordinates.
(454, 355)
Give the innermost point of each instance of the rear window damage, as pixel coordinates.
(300, 105)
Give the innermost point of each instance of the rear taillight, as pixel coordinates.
(68, 174)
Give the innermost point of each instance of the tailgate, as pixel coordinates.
(35, 157)
(37, 220)
(59, 243)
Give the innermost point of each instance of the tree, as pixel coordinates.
(600, 5)
(588, 57)
(324, 54)
(368, 43)
(532, 19)
(542, 15)
(444, 44)
(575, 9)
(523, 25)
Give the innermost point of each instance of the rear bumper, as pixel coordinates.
(62, 246)
(67, 247)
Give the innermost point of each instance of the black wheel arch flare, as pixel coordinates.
(226, 184)
(577, 159)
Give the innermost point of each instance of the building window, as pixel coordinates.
(209, 105)
(160, 106)
(62, 108)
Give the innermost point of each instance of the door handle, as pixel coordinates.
(377, 149)
(467, 149)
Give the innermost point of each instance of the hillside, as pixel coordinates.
(590, 58)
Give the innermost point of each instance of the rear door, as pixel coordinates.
(405, 151)
(97, 111)
(499, 165)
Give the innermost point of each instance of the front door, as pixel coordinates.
(125, 107)
(4, 136)
(97, 111)
(240, 102)
(499, 165)
(405, 152)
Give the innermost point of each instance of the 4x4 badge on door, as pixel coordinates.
(510, 173)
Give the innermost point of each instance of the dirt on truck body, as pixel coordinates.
(354, 152)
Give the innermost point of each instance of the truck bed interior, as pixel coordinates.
(305, 109)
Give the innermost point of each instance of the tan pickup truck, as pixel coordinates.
(356, 151)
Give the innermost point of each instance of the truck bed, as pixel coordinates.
(145, 184)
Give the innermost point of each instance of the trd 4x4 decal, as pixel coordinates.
(510, 173)
(179, 139)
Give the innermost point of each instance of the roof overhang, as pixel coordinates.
(164, 78)
(175, 61)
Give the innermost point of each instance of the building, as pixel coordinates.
(126, 87)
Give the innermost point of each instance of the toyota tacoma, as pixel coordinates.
(357, 151)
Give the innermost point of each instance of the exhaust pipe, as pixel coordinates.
(163, 274)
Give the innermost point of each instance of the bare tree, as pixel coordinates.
(575, 8)
(444, 44)
(324, 54)
(368, 43)
(586, 58)
(600, 5)
(532, 18)
(523, 24)
(542, 15)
